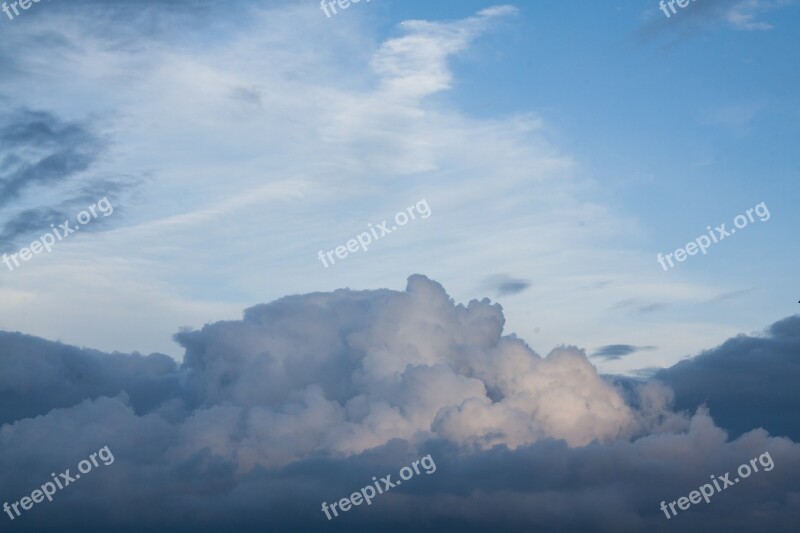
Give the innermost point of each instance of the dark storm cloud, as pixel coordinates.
(747, 382)
(297, 403)
(37, 376)
(618, 351)
(546, 486)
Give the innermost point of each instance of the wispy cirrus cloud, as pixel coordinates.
(742, 15)
(39, 149)
(702, 15)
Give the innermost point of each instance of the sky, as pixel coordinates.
(564, 147)
(236, 173)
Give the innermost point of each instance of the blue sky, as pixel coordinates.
(561, 144)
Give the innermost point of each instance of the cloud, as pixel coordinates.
(504, 285)
(748, 381)
(737, 118)
(741, 15)
(730, 295)
(39, 149)
(306, 398)
(413, 365)
(26, 222)
(43, 173)
(702, 15)
(618, 351)
(639, 305)
(37, 376)
(344, 125)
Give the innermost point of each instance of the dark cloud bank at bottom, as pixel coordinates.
(235, 438)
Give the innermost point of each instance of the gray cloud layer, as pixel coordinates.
(747, 382)
(308, 397)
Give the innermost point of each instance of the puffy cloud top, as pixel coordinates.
(348, 371)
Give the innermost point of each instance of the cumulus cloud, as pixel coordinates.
(382, 365)
(304, 399)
